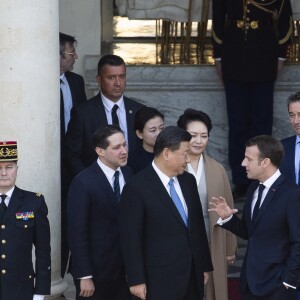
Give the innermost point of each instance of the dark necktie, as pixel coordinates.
(258, 201)
(177, 201)
(62, 112)
(2, 207)
(114, 116)
(117, 186)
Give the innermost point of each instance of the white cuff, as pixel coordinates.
(221, 221)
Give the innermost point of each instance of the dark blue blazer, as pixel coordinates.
(85, 119)
(273, 249)
(158, 248)
(93, 231)
(287, 167)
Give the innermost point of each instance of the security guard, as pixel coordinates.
(250, 39)
(23, 223)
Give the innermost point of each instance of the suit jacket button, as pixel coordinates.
(3, 271)
(2, 226)
(29, 276)
(3, 256)
(3, 241)
(25, 226)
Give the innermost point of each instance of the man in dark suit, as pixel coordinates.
(250, 40)
(270, 222)
(108, 107)
(24, 223)
(72, 92)
(162, 230)
(290, 166)
(93, 231)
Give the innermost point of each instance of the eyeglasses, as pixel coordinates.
(70, 53)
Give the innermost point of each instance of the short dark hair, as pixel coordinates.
(268, 148)
(170, 138)
(101, 135)
(191, 115)
(111, 60)
(63, 39)
(144, 115)
(293, 98)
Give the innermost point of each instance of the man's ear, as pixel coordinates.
(99, 151)
(166, 153)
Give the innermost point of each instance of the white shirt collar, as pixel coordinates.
(109, 172)
(268, 183)
(108, 104)
(163, 177)
(297, 139)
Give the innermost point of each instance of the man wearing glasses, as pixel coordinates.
(71, 93)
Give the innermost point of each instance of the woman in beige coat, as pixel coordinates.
(212, 181)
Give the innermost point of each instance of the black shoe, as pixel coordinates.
(240, 190)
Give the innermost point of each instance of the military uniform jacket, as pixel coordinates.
(25, 224)
(249, 36)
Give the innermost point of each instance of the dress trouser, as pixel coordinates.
(280, 294)
(250, 113)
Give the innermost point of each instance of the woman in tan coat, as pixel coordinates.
(212, 181)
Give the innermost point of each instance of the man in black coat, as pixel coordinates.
(270, 222)
(290, 166)
(108, 107)
(162, 230)
(23, 223)
(72, 92)
(93, 230)
(250, 40)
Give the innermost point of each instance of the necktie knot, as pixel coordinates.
(114, 116)
(3, 197)
(258, 202)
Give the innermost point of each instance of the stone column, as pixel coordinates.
(29, 92)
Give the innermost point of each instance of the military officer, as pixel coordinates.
(250, 39)
(23, 223)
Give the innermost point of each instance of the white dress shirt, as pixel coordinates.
(7, 200)
(165, 181)
(68, 103)
(121, 113)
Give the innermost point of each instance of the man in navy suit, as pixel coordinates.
(270, 222)
(93, 231)
(72, 92)
(290, 166)
(110, 106)
(162, 230)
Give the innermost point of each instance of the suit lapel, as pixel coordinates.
(99, 112)
(14, 203)
(130, 121)
(104, 184)
(161, 193)
(290, 154)
(268, 199)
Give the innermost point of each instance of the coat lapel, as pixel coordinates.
(130, 121)
(14, 203)
(268, 199)
(99, 112)
(161, 193)
(104, 184)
